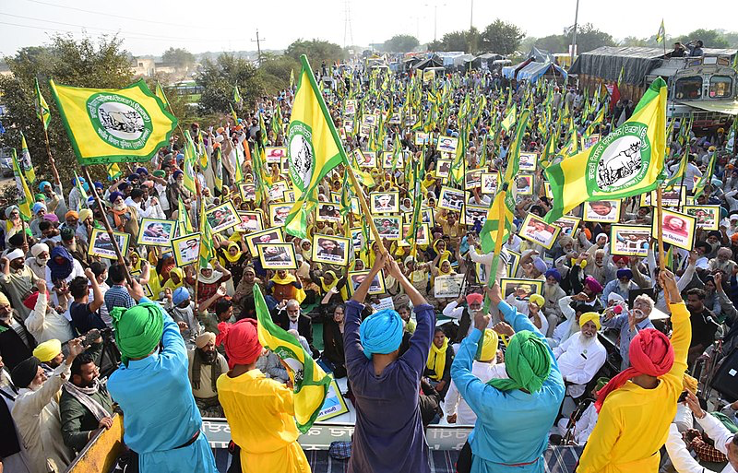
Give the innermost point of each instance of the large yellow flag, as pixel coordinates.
(114, 125)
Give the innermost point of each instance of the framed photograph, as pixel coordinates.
(334, 404)
(513, 259)
(447, 144)
(356, 208)
(451, 199)
(525, 184)
(277, 190)
(369, 120)
(335, 197)
(395, 119)
(381, 203)
(348, 125)
(409, 120)
(222, 217)
(289, 195)
(474, 214)
(448, 286)
(388, 157)
(376, 288)
(277, 256)
(366, 159)
(158, 232)
(481, 272)
(447, 156)
(364, 130)
(275, 154)
(706, 217)
(473, 179)
(422, 235)
(678, 229)
(248, 191)
(278, 213)
(421, 138)
(267, 236)
(630, 240)
(350, 107)
(672, 198)
(548, 190)
(357, 238)
(535, 230)
(388, 226)
(592, 140)
(102, 246)
(331, 249)
(521, 287)
(427, 216)
(602, 211)
(527, 161)
(186, 249)
(328, 212)
(442, 168)
(489, 183)
(251, 221)
(567, 224)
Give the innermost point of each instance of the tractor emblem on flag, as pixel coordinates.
(120, 121)
(620, 160)
(300, 154)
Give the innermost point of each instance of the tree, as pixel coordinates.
(501, 37)
(590, 38)
(218, 79)
(711, 38)
(453, 41)
(275, 73)
(80, 63)
(552, 43)
(317, 51)
(178, 57)
(400, 44)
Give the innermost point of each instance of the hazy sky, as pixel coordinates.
(152, 26)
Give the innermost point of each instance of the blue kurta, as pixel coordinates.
(388, 436)
(159, 409)
(512, 428)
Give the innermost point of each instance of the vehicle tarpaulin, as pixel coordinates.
(728, 107)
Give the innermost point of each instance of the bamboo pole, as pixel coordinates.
(51, 158)
(660, 244)
(365, 208)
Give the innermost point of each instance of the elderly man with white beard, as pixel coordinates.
(629, 323)
(581, 356)
(552, 293)
(621, 285)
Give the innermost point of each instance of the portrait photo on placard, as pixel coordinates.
(630, 240)
(442, 168)
(251, 221)
(103, 247)
(527, 161)
(513, 259)
(534, 229)
(248, 191)
(328, 212)
(451, 199)
(350, 107)
(602, 211)
(421, 138)
(672, 198)
(473, 179)
(277, 190)
(367, 159)
(568, 224)
(525, 184)
(706, 217)
(521, 288)
(447, 144)
(474, 215)
(186, 249)
(267, 236)
(388, 226)
(331, 249)
(275, 154)
(357, 238)
(381, 203)
(389, 159)
(277, 256)
(377, 287)
(422, 235)
(158, 232)
(278, 213)
(222, 217)
(448, 286)
(677, 229)
(489, 183)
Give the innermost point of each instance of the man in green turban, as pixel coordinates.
(514, 415)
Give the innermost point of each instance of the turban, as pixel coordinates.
(624, 273)
(600, 383)
(9, 210)
(554, 273)
(67, 234)
(30, 302)
(566, 240)
(24, 373)
(240, 340)
(43, 184)
(143, 170)
(527, 363)
(46, 351)
(540, 264)
(133, 177)
(138, 329)
(71, 214)
(159, 173)
(203, 339)
(597, 237)
(593, 284)
(474, 298)
(51, 217)
(38, 249)
(594, 317)
(613, 296)
(39, 206)
(620, 258)
(114, 195)
(176, 174)
(650, 353)
(180, 295)
(381, 332)
(122, 186)
(85, 214)
(41, 198)
(538, 300)
(16, 253)
(488, 347)
(4, 300)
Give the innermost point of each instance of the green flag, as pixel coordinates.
(26, 163)
(42, 108)
(660, 38)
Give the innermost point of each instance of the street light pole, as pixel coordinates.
(574, 34)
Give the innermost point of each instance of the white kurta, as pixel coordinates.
(46, 324)
(579, 359)
(454, 403)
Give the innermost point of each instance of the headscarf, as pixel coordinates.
(553, 272)
(594, 317)
(63, 270)
(138, 329)
(47, 350)
(290, 278)
(537, 299)
(488, 347)
(240, 340)
(650, 353)
(24, 373)
(437, 359)
(527, 363)
(327, 287)
(381, 332)
(229, 257)
(593, 284)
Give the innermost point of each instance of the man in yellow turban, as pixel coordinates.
(582, 355)
(49, 353)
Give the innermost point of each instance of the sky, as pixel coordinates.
(149, 27)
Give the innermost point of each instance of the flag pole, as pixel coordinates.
(51, 158)
(660, 244)
(117, 249)
(365, 208)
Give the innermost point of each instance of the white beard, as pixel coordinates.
(624, 287)
(120, 207)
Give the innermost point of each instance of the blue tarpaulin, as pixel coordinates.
(533, 71)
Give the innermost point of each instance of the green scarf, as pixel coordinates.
(527, 362)
(138, 330)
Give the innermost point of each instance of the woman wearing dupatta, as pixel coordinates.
(285, 286)
(439, 363)
(234, 259)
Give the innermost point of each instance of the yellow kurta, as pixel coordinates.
(633, 423)
(260, 413)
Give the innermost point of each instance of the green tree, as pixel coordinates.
(400, 44)
(552, 43)
(501, 37)
(317, 51)
(275, 73)
(634, 41)
(590, 38)
(453, 41)
(710, 38)
(218, 79)
(81, 63)
(179, 57)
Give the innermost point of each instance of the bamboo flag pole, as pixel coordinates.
(660, 244)
(51, 158)
(365, 208)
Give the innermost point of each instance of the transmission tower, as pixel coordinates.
(348, 24)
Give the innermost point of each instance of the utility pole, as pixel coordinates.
(347, 24)
(472, 7)
(574, 35)
(259, 48)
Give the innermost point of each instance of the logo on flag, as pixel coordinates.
(300, 153)
(119, 120)
(620, 159)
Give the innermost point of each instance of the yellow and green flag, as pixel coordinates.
(114, 125)
(310, 382)
(25, 198)
(313, 146)
(162, 96)
(627, 162)
(114, 171)
(660, 38)
(42, 108)
(25, 162)
(183, 218)
(207, 250)
(509, 119)
(189, 163)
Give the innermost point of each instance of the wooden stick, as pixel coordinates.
(51, 159)
(365, 208)
(118, 253)
(660, 244)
